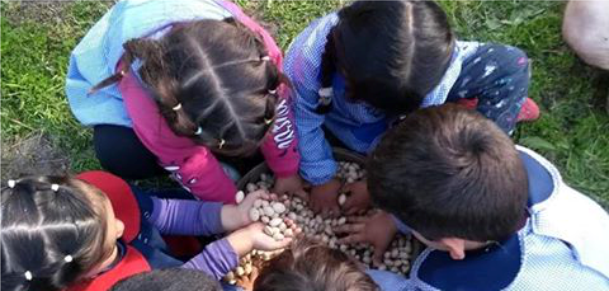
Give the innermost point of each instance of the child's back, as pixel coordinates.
(472, 186)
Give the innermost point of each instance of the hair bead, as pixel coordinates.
(28, 276)
(68, 258)
(11, 183)
(55, 187)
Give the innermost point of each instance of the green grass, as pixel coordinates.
(573, 132)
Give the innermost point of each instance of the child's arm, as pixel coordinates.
(302, 65)
(221, 256)
(280, 146)
(194, 166)
(188, 217)
(217, 259)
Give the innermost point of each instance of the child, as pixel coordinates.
(175, 82)
(357, 71)
(168, 280)
(494, 216)
(87, 233)
(310, 266)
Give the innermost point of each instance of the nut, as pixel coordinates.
(254, 214)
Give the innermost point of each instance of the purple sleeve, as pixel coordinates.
(217, 259)
(186, 217)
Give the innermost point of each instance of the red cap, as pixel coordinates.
(123, 201)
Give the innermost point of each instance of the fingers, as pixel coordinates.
(282, 243)
(350, 228)
(353, 239)
(350, 207)
(302, 194)
(377, 258)
(330, 211)
(357, 219)
(379, 251)
(315, 205)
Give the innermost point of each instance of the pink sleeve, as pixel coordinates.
(280, 146)
(192, 165)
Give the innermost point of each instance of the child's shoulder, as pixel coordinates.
(567, 222)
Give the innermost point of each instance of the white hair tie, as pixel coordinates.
(273, 92)
(28, 276)
(199, 131)
(327, 92)
(55, 187)
(11, 183)
(265, 58)
(177, 107)
(68, 259)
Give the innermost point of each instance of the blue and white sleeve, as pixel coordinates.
(302, 66)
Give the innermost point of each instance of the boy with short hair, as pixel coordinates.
(494, 216)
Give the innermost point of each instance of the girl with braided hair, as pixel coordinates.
(88, 232)
(176, 83)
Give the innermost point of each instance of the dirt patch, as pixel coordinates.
(46, 11)
(36, 11)
(33, 155)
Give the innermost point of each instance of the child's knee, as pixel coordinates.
(515, 63)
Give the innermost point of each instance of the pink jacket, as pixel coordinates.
(193, 165)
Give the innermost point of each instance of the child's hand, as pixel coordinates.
(291, 185)
(377, 230)
(359, 200)
(324, 198)
(237, 216)
(253, 237)
(247, 282)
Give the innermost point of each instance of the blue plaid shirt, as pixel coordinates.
(358, 125)
(563, 246)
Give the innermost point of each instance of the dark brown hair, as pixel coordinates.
(392, 52)
(212, 81)
(41, 226)
(308, 266)
(450, 172)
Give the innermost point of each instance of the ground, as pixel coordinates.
(40, 134)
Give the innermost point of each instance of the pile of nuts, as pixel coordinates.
(247, 264)
(272, 214)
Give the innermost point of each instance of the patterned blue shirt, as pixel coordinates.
(358, 125)
(563, 246)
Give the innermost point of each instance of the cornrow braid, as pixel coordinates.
(52, 233)
(224, 88)
(211, 81)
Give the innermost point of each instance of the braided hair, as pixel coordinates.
(391, 53)
(212, 81)
(52, 233)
